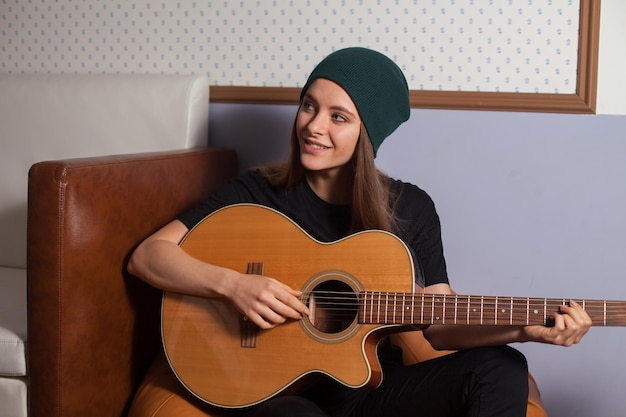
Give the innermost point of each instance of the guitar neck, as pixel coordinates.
(407, 308)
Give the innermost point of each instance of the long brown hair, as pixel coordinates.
(372, 206)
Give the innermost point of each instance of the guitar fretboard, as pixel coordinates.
(406, 308)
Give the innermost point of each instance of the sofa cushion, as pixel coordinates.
(49, 117)
(13, 397)
(13, 323)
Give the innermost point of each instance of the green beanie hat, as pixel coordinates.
(376, 85)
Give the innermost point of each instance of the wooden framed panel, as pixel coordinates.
(581, 101)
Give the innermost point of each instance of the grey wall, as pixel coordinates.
(530, 205)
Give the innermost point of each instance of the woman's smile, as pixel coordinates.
(315, 146)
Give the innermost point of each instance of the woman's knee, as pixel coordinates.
(512, 359)
(502, 365)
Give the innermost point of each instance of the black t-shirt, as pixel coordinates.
(418, 224)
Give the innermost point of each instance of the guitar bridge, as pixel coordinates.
(250, 331)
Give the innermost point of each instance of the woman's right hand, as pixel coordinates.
(266, 301)
(160, 261)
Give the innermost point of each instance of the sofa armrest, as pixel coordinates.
(93, 329)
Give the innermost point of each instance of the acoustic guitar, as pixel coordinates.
(359, 290)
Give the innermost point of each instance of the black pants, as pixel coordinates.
(491, 381)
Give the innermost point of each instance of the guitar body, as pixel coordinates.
(228, 362)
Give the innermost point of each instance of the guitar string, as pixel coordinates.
(484, 300)
(352, 295)
(348, 301)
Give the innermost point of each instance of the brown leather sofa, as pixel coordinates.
(94, 329)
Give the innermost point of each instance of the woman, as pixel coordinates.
(330, 186)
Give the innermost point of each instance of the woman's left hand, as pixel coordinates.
(570, 325)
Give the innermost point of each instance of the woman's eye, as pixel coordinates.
(339, 118)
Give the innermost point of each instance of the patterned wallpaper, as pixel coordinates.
(452, 45)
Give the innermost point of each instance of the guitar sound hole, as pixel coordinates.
(333, 305)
